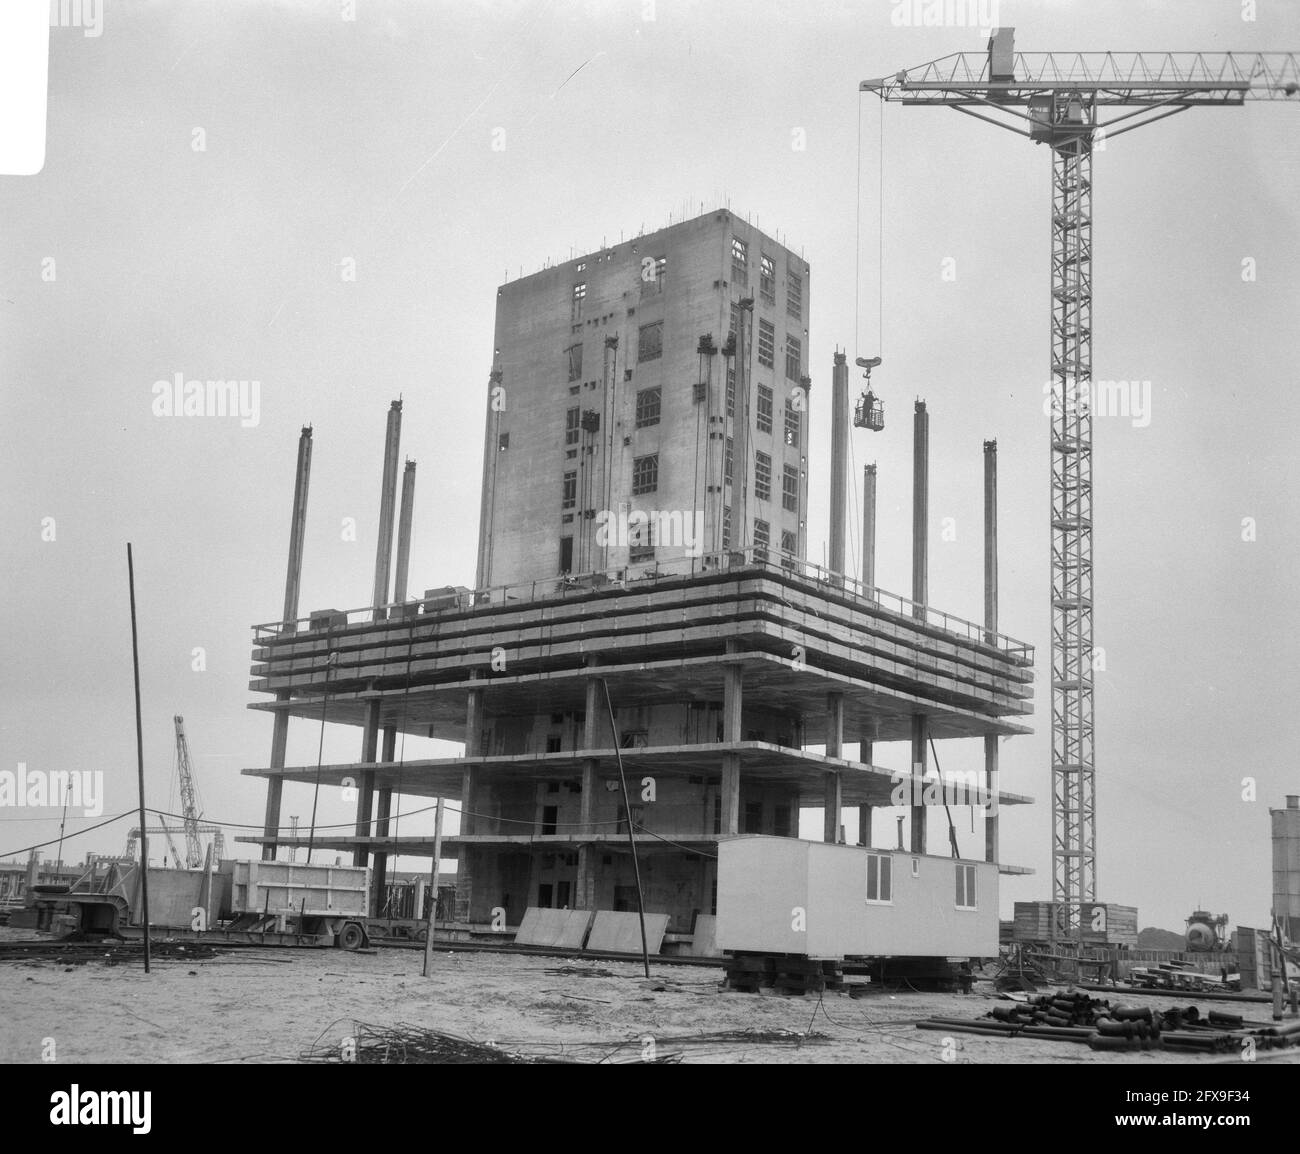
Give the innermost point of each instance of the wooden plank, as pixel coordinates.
(619, 932)
(704, 942)
(562, 929)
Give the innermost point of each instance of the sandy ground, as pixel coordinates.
(273, 1005)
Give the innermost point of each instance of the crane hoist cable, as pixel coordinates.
(880, 239)
(857, 241)
(880, 249)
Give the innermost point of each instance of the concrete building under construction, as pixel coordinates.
(643, 601)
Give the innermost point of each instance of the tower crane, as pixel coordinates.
(189, 800)
(1057, 98)
(193, 858)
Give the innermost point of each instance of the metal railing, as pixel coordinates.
(619, 579)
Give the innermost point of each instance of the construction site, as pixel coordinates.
(712, 779)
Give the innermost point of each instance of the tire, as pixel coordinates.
(422, 936)
(351, 937)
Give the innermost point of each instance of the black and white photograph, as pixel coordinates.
(650, 532)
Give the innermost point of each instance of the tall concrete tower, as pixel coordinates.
(614, 418)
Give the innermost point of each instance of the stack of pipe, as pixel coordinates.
(1075, 1017)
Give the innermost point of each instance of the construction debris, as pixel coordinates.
(403, 1044)
(112, 953)
(1179, 975)
(580, 972)
(1075, 1017)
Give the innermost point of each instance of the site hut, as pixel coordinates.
(619, 380)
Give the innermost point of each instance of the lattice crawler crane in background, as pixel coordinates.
(190, 804)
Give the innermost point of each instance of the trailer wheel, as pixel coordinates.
(422, 935)
(351, 937)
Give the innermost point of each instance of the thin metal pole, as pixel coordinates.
(991, 846)
(433, 883)
(920, 510)
(58, 869)
(139, 757)
(627, 807)
(869, 529)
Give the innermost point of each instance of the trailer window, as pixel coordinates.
(966, 887)
(880, 879)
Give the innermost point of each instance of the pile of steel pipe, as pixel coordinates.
(1076, 1017)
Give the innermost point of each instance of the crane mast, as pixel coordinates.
(189, 802)
(189, 812)
(1053, 99)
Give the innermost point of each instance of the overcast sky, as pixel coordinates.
(372, 140)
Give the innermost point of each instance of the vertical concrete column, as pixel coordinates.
(384, 806)
(275, 785)
(839, 459)
(387, 508)
(834, 748)
(869, 529)
(474, 718)
(991, 625)
(732, 709)
(920, 597)
(292, 581)
(366, 787)
(383, 565)
(298, 524)
(383, 812)
(865, 753)
(920, 760)
(920, 509)
(585, 898)
(405, 517)
(473, 749)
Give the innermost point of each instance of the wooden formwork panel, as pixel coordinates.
(562, 929)
(619, 932)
